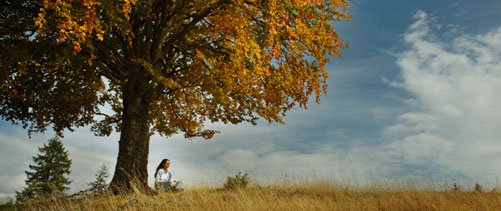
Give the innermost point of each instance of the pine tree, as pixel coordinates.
(49, 173)
(99, 185)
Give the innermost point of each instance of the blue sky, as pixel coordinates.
(415, 96)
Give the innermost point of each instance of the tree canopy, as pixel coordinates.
(164, 66)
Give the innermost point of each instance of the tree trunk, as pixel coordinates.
(133, 147)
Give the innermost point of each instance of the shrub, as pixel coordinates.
(478, 188)
(236, 182)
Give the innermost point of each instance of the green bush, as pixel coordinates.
(236, 182)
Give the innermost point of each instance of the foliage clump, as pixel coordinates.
(238, 181)
(49, 173)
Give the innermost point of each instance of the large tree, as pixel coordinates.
(164, 66)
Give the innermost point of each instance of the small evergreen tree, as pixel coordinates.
(456, 187)
(49, 173)
(478, 187)
(99, 185)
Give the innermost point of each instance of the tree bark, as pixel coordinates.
(133, 147)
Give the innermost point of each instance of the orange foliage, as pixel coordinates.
(217, 60)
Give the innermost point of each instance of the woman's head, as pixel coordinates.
(165, 163)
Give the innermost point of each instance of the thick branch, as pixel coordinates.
(114, 70)
(199, 16)
(165, 16)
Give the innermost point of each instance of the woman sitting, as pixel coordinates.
(163, 178)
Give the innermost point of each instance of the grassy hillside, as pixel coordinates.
(313, 196)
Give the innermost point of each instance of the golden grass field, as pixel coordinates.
(307, 196)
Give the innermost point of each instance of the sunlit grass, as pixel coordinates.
(314, 195)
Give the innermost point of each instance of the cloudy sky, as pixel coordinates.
(415, 96)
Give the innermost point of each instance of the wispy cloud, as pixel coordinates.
(455, 117)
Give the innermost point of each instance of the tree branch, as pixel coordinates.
(199, 16)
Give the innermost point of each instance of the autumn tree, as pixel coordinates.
(49, 173)
(163, 66)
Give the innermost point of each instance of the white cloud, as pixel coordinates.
(267, 152)
(455, 116)
(10, 184)
(5, 198)
(86, 152)
(423, 148)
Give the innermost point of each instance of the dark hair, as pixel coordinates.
(161, 165)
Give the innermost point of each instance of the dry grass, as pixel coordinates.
(307, 196)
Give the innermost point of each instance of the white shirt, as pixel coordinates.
(163, 176)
